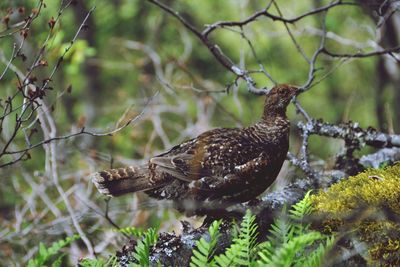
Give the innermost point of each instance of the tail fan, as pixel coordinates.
(116, 182)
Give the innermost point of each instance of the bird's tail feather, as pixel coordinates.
(116, 182)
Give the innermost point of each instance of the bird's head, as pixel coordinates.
(278, 98)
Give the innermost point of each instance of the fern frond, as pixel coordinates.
(241, 250)
(111, 262)
(131, 231)
(248, 235)
(142, 249)
(45, 254)
(284, 256)
(228, 259)
(301, 208)
(281, 230)
(315, 258)
(265, 250)
(298, 212)
(205, 249)
(290, 243)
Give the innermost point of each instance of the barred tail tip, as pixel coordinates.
(117, 182)
(99, 182)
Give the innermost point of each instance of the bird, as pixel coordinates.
(222, 165)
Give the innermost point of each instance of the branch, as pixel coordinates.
(244, 74)
(26, 23)
(312, 69)
(383, 156)
(265, 13)
(32, 102)
(83, 131)
(355, 138)
(351, 132)
(214, 49)
(363, 55)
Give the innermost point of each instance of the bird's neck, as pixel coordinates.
(271, 115)
(272, 124)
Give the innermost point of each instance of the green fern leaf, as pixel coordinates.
(285, 255)
(58, 261)
(281, 230)
(315, 258)
(142, 249)
(298, 212)
(227, 259)
(45, 254)
(111, 262)
(241, 250)
(204, 249)
(266, 248)
(301, 208)
(289, 240)
(131, 231)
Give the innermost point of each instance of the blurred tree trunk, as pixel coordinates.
(388, 74)
(91, 71)
(387, 69)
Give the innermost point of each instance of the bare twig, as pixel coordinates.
(83, 131)
(244, 74)
(214, 49)
(362, 55)
(312, 69)
(27, 23)
(265, 13)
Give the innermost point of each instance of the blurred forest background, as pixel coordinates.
(89, 85)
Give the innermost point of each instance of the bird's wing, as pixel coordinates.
(187, 166)
(233, 184)
(253, 166)
(244, 173)
(186, 161)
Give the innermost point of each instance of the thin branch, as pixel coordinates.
(27, 23)
(294, 41)
(83, 131)
(300, 109)
(13, 56)
(312, 69)
(303, 165)
(265, 13)
(214, 49)
(260, 64)
(362, 55)
(61, 58)
(244, 74)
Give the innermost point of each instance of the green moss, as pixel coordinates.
(358, 205)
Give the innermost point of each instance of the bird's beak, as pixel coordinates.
(296, 92)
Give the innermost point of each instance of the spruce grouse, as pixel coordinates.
(225, 165)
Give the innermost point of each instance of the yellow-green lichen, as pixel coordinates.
(361, 205)
(374, 187)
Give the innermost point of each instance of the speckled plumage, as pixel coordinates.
(225, 164)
